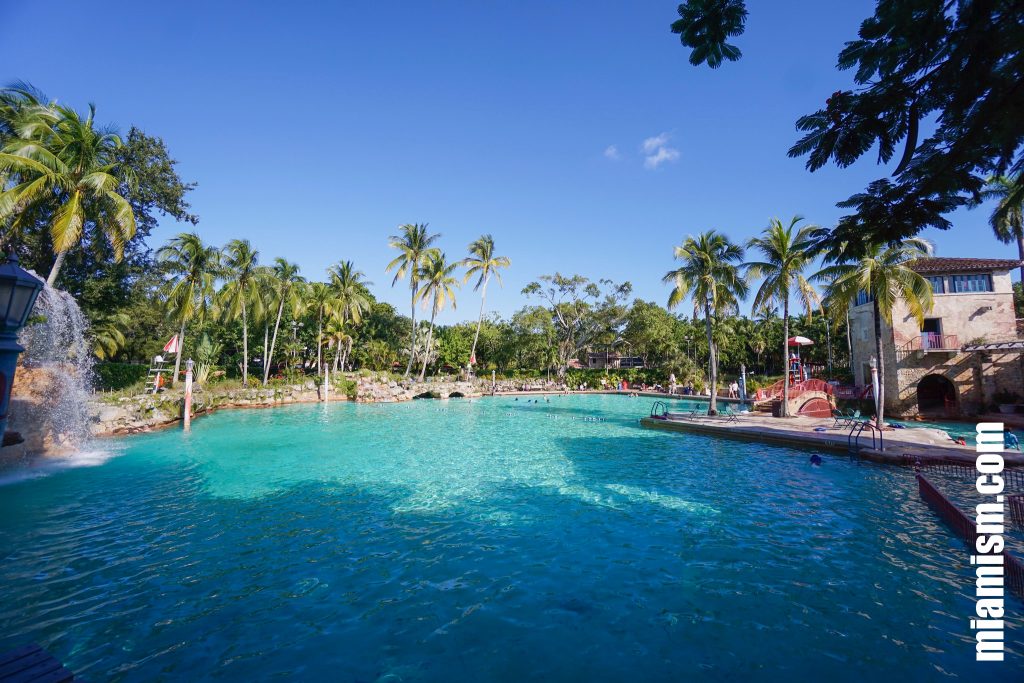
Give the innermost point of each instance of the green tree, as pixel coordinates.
(240, 290)
(72, 165)
(414, 246)
(194, 268)
(322, 299)
(885, 274)
(651, 332)
(705, 25)
(438, 290)
(710, 274)
(107, 333)
(286, 291)
(954, 65)
(482, 263)
(786, 252)
(351, 296)
(581, 311)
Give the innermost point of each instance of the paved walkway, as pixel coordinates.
(799, 431)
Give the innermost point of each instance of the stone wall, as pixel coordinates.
(976, 317)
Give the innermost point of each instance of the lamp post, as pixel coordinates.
(874, 383)
(18, 292)
(187, 416)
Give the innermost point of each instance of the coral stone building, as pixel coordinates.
(967, 351)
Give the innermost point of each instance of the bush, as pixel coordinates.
(115, 376)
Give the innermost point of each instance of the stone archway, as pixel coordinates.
(936, 394)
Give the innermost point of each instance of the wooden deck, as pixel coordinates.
(32, 664)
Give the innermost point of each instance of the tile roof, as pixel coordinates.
(962, 265)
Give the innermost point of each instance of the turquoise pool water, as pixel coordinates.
(481, 540)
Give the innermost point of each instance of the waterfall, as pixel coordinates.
(53, 383)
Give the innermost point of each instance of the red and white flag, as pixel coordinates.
(173, 345)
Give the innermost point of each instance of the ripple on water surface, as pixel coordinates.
(481, 540)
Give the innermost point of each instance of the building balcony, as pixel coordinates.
(930, 342)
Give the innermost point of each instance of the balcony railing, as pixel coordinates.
(931, 341)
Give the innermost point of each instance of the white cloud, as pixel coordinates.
(663, 155)
(612, 152)
(651, 144)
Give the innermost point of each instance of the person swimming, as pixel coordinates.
(816, 459)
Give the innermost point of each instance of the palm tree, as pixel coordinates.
(240, 290)
(337, 335)
(414, 244)
(194, 268)
(483, 263)
(350, 293)
(787, 252)
(438, 289)
(285, 283)
(710, 274)
(107, 333)
(884, 273)
(72, 164)
(1007, 219)
(321, 299)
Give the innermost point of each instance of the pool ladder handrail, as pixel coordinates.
(664, 410)
(857, 428)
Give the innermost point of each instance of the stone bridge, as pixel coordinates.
(371, 391)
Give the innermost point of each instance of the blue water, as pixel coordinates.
(482, 540)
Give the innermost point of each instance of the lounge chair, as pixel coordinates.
(845, 419)
(725, 414)
(684, 416)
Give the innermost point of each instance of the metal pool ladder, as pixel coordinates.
(856, 429)
(659, 406)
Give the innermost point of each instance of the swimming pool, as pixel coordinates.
(490, 539)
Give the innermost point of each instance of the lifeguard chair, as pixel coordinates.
(155, 380)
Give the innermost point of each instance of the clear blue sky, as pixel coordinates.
(314, 129)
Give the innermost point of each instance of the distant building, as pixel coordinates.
(602, 360)
(966, 351)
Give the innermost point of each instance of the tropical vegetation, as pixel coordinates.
(80, 202)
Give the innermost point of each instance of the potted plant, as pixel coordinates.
(1007, 401)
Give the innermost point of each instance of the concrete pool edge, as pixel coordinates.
(893, 455)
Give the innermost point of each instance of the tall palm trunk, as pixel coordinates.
(348, 350)
(55, 271)
(1020, 252)
(412, 344)
(426, 350)
(881, 366)
(177, 357)
(712, 360)
(849, 340)
(266, 344)
(785, 356)
(273, 342)
(480, 320)
(319, 339)
(245, 346)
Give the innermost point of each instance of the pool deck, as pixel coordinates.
(799, 431)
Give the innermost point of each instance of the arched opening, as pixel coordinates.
(456, 394)
(936, 394)
(426, 394)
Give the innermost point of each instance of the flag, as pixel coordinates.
(173, 346)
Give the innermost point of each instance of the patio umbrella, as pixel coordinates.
(799, 341)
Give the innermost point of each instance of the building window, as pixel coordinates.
(972, 283)
(863, 298)
(938, 283)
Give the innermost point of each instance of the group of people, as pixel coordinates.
(688, 390)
